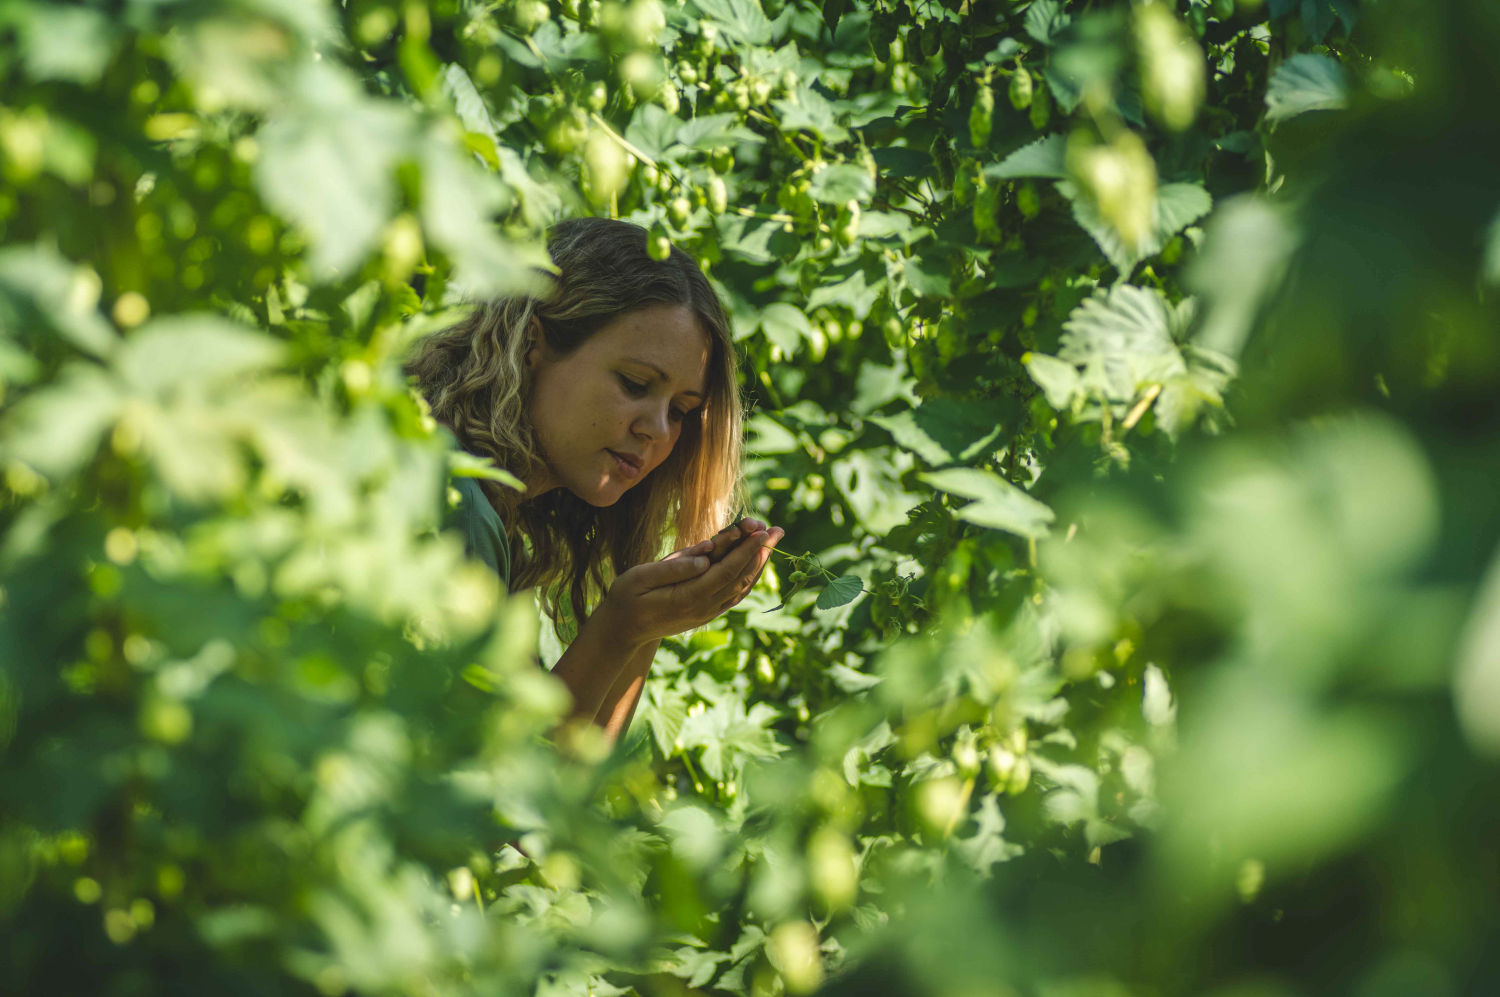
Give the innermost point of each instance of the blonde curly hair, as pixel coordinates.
(475, 377)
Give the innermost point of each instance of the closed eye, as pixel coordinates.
(638, 390)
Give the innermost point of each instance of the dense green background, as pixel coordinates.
(1124, 375)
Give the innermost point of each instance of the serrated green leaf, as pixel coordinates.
(1122, 340)
(1045, 19)
(941, 430)
(1042, 158)
(999, 504)
(841, 591)
(472, 111)
(742, 20)
(1306, 82)
(856, 293)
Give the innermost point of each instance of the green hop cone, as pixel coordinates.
(1020, 89)
(1028, 201)
(1041, 109)
(718, 195)
(981, 117)
(848, 229)
(658, 246)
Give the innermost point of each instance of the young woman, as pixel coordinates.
(614, 399)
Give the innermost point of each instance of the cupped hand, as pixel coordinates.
(691, 586)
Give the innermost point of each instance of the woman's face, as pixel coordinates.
(608, 413)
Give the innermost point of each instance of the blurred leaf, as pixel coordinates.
(1306, 82)
(57, 429)
(1178, 205)
(1058, 379)
(1476, 682)
(64, 43)
(327, 163)
(462, 464)
(837, 184)
(785, 326)
(459, 202)
(39, 290)
(195, 351)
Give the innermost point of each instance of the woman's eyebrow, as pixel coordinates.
(661, 374)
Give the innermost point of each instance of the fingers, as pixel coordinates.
(725, 540)
(705, 547)
(679, 566)
(734, 576)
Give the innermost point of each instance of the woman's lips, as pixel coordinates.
(625, 466)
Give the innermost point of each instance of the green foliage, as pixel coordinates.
(1072, 629)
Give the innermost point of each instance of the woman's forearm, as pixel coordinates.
(595, 662)
(619, 706)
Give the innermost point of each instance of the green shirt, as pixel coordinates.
(479, 523)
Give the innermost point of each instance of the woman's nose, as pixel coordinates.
(654, 423)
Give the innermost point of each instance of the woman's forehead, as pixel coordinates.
(668, 338)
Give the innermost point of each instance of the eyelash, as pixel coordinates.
(638, 389)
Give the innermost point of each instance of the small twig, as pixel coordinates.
(1134, 416)
(625, 143)
(775, 216)
(962, 809)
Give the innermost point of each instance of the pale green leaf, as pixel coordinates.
(327, 163)
(785, 326)
(65, 43)
(1058, 379)
(840, 183)
(741, 20)
(1306, 82)
(41, 291)
(193, 352)
(462, 464)
(1178, 205)
(1121, 340)
(57, 430)
(460, 200)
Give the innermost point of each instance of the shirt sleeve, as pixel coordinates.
(483, 533)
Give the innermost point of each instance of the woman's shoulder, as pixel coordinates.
(483, 531)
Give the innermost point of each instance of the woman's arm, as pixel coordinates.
(596, 662)
(619, 706)
(605, 667)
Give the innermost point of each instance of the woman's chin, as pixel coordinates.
(602, 497)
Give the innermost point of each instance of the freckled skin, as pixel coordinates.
(587, 403)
